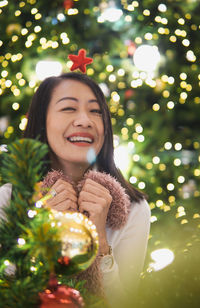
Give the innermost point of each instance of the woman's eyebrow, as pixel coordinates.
(67, 98)
(75, 99)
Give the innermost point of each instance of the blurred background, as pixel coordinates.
(146, 60)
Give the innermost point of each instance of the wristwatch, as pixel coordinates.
(106, 261)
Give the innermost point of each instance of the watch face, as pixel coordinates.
(106, 262)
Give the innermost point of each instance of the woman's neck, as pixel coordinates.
(74, 171)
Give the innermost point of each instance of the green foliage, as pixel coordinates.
(29, 244)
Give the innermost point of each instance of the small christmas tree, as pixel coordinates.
(30, 241)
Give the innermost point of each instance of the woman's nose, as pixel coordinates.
(83, 120)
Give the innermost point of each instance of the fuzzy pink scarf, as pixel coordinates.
(116, 219)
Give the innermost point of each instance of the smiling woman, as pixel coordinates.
(70, 114)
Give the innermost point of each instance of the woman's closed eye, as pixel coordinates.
(98, 111)
(68, 109)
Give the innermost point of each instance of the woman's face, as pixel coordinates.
(74, 124)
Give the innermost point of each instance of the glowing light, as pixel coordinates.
(162, 258)
(112, 78)
(121, 72)
(115, 97)
(162, 8)
(177, 162)
(136, 157)
(190, 56)
(61, 17)
(186, 42)
(133, 180)
(183, 76)
(167, 145)
(109, 68)
(141, 185)
(146, 58)
(156, 107)
(15, 106)
(31, 213)
(138, 128)
(23, 124)
(153, 219)
(178, 146)
(121, 157)
(140, 138)
(148, 36)
(46, 69)
(170, 80)
(170, 105)
(21, 241)
(111, 14)
(156, 160)
(159, 203)
(170, 186)
(3, 3)
(146, 12)
(72, 12)
(181, 179)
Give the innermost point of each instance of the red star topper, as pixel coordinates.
(80, 61)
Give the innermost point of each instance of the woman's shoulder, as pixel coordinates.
(139, 215)
(140, 208)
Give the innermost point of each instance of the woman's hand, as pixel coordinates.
(96, 199)
(65, 198)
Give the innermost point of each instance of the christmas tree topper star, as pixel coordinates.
(80, 61)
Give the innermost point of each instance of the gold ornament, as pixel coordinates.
(79, 239)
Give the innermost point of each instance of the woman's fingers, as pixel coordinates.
(66, 205)
(62, 185)
(63, 196)
(90, 197)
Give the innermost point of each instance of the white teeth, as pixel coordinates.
(79, 139)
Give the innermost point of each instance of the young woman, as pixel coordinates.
(70, 114)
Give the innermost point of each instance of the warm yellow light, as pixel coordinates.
(4, 74)
(166, 93)
(34, 11)
(177, 162)
(38, 16)
(173, 38)
(8, 83)
(181, 179)
(196, 172)
(178, 146)
(15, 106)
(171, 199)
(170, 105)
(170, 186)
(156, 107)
(162, 167)
(156, 160)
(17, 13)
(112, 78)
(146, 12)
(109, 68)
(148, 36)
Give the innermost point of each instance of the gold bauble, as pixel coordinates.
(79, 239)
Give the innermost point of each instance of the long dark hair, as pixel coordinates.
(36, 127)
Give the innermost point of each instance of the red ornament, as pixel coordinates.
(129, 93)
(68, 4)
(80, 61)
(64, 260)
(60, 296)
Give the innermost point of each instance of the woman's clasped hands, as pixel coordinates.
(94, 199)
